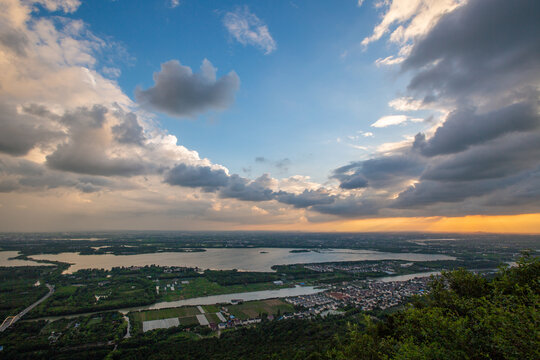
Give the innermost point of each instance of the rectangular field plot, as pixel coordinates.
(252, 309)
(160, 324)
(202, 319)
(166, 313)
(189, 321)
(212, 318)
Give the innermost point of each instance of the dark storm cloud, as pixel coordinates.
(379, 172)
(197, 176)
(20, 133)
(486, 46)
(243, 189)
(350, 207)
(179, 92)
(305, 199)
(503, 157)
(129, 131)
(465, 128)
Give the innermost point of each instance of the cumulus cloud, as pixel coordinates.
(180, 92)
(88, 149)
(129, 131)
(22, 132)
(197, 176)
(248, 29)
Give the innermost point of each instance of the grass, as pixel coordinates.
(252, 309)
(179, 312)
(211, 308)
(188, 321)
(95, 320)
(212, 318)
(203, 287)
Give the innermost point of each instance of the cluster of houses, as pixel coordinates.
(388, 267)
(366, 295)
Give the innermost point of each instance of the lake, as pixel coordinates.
(243, 259)
(6, 261)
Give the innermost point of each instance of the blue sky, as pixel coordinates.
(319, 84)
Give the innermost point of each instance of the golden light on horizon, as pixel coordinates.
(508, 224)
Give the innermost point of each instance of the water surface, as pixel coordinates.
(6, 261)
(243, 259)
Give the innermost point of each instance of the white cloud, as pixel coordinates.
(389, 60)
(394, 120)
(358, 147)
(409, 19)
(248, 29)
(68, 6)
(389, 121)
(174, 3)
(406, 104)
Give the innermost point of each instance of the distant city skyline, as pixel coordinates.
(375, 115)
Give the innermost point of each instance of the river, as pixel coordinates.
(208, 300)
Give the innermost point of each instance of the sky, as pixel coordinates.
(375, 115)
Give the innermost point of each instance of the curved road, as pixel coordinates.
(10, 320)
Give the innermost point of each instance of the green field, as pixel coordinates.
(252, 309)
(211, 308)
(180, 312)
(212, 318)
(189, 321)
(203, 287)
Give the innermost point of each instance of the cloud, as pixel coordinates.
(174, 3)
(350, 207)
(485, 51)
(389, 60)
(129, 131)
(306, 199)
(410, 19)
(248, 29)
(380, 172)
(87, 146)
(390, 120)
(464, 128)
(504, 157)
(179, 92)
(282, 165)
(197, 176)
(68, 6)
(22, 132)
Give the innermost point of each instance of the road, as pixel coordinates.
(10, 320)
